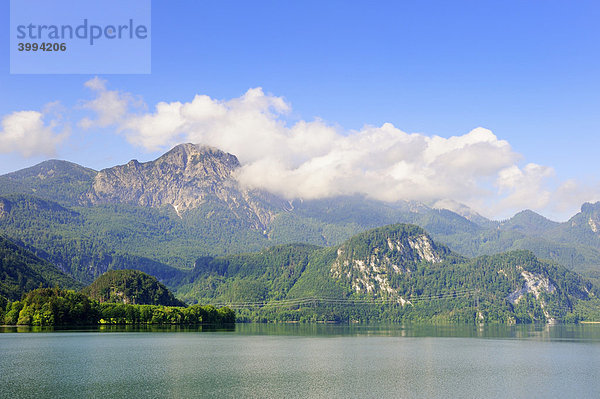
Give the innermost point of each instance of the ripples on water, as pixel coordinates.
(303, 361)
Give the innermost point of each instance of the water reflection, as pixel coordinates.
(539, 332)
(117, 328)
(555, 332)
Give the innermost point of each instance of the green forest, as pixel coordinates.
(57, 307)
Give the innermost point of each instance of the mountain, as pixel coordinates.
(529, 222)
(55, 180)
(160, 216)
(187, 177)
(583, 227)
(390, 273)
(184, 219)
(130, 287)
(21, 271)
(574, 244)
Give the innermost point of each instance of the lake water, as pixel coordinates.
(297, 361)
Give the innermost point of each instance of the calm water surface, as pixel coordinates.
(317, 361)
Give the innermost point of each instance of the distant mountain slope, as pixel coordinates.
(69, 240)
(130, 287)
(87, 241)
(529, 222)
(60, 181)
(21, 271)
(573, 243)
(583, 228)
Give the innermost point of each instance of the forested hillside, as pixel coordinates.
(21, 271)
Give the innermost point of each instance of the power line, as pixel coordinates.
(414, 299)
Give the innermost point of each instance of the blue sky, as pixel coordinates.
(525, 70)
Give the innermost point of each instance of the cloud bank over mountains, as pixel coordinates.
(314, 159)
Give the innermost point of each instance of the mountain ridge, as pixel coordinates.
(55, 180)
(186, 204)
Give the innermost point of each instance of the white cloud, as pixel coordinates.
(25, 132)
(313, 159)
(570, 195)
(110, 106)
(525, 187)
(246, 126)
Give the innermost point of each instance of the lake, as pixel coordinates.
(302, 361)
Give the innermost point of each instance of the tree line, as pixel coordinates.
(55, 306)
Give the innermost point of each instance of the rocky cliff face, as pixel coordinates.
(370, 268)
(585, 226)
(592, 216)
(186, 177)
(536, 284)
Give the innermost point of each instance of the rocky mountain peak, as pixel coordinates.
(592, 215)
(588, 219)
(188, 154)
(589, 208)
(186, 177)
